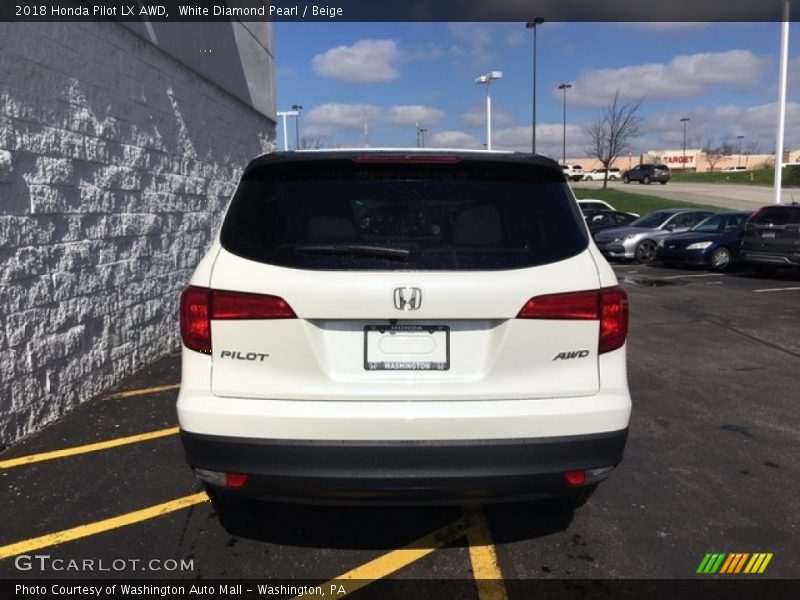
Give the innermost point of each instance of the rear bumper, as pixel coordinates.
(411, 471)
(768, 258)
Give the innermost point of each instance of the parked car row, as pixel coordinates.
(766, 239)
(645, 174)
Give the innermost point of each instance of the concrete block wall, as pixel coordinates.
(116, 161)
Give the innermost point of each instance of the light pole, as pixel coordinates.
(684, 120)
(532, 25)
(422, 135)
(297, 108)
(740, 137)
(487, 81)
(283, 114)
(564, 87)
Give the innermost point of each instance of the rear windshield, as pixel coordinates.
(341, 215)
(777, 215)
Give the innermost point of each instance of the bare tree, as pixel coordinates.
(314, 142)
(714, 152)
(613, 129)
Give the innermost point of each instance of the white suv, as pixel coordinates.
(389, 326)
(573, 172)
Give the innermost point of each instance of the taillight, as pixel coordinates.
(608, 305)
(613, 319)
(238, 305)
(200, 305)
(195, 323)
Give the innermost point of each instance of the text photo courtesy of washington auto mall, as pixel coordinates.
(452, 299)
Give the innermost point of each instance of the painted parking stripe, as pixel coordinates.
(687, 276)
(131, 439)
(143, 391)
(783, 289)
(397, 559)
(75, 533)
(482, 554)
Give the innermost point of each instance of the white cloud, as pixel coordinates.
(412, 114)
(549, 139)
(476, 117)
(683, 76)
(363, 62)
(454, 139)
(471, 52)
(324, 119)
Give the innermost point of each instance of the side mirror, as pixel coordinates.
(670, 227)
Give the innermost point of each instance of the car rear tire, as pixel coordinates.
(646, 180)
(645, 252)
(720, 259)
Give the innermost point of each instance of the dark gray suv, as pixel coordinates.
(647, 174)
(772, 238)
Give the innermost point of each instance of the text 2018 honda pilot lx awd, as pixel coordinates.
(403, 326)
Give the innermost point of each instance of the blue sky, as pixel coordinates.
(724, 77)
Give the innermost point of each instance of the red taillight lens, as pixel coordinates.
(575, 478)
(199, 305)
(195, 323)
(406, 158)
(572, 306)
(238, 305)
(608, 305)
(235, 480)
(613, 319)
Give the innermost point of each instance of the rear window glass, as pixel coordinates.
(341, 215)
(653, 220)
(777, 215)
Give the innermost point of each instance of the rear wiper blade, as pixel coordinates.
(355, 249)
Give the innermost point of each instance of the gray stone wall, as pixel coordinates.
(116, 161)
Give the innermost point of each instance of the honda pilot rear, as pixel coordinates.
(391, 326)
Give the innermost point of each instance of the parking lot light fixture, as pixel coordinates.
(684, 120)
(283, 114)
(740, 138)
(297, 108)
(487, 81)
(564, 87)
(532, 25)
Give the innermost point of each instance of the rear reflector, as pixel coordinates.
(575, 478)
(607, 305)
(200, 305)
(235, 480)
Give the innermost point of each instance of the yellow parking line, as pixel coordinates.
(131, 439)
(68, 535)
(397, 559)
(143, 391)
(482, 554)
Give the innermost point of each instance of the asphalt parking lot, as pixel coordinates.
(711, 466)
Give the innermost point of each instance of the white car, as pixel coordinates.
(600, 175)
(403, 326)
(573, 172)
(734, 169)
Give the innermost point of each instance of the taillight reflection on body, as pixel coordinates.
(607, 305)
(200, 305)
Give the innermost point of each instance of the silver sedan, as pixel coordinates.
(638, 240)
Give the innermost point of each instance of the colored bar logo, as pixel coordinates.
(734, 563)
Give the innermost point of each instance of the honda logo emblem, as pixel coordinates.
(407, 298)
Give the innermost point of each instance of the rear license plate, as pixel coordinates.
(406, 348)
(767, 234)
